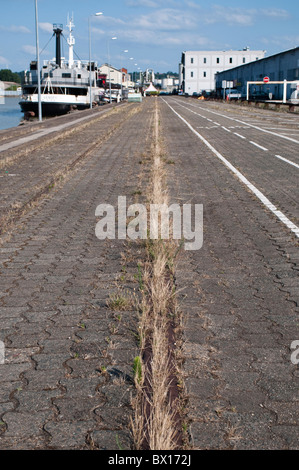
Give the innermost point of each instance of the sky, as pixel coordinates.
(154, 33)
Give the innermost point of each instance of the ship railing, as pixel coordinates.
(61, 82)
(65, 63)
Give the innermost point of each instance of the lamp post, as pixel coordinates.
(125, 51)
(89, 33)
(113, 39)
(38, 66)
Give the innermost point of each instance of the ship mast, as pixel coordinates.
(71, 41)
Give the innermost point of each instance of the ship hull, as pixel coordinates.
(49, 109)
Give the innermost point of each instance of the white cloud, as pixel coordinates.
(276, 13)
(4, 61)
(193, 5)
(164, 39)
(109, 20)
(15, 29)
(142, 3)
(167, 19)
(243, 16)
(47, 27)
(29, 49)
(98, 31)
(231, 16)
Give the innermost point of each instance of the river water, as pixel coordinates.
(10, 112)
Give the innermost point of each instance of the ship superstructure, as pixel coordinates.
(65, 84)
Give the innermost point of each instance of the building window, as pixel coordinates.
(192, 60)
(244, 60)
(218, 60)
(205, 74)
(204, 60)
(191, 74)
(230, 60)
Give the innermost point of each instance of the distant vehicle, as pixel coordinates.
(186, 94)
(195, 94)
(233, 94)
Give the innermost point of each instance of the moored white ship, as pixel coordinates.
(65, 84)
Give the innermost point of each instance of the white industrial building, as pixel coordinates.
(116, 76)
(197, 69)
(168, 84)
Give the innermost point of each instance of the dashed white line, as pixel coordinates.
(259, 146)
(239, 135)
(245, 123)
(287, 161)
(267, 203)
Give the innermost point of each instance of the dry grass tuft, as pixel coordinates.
(156, 413)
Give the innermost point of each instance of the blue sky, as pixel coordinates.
(154, 33)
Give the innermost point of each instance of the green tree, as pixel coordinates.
(6, 75)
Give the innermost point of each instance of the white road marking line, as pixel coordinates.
(239, 135)
(267, 203)
(247, 124)
(286, 160)
(259, 146)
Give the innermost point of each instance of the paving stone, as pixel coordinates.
(69, 435)
(111, 440)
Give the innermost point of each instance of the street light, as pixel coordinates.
(89, 32)
(113, 39)
(125, 51)
(38, 65)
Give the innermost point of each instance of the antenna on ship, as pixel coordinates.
(71, 40)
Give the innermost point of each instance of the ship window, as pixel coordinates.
(79, 75)
(46, 75)
(66, 75)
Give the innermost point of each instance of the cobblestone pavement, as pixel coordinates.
(67, 378)
(239, 303)
(67, 381)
